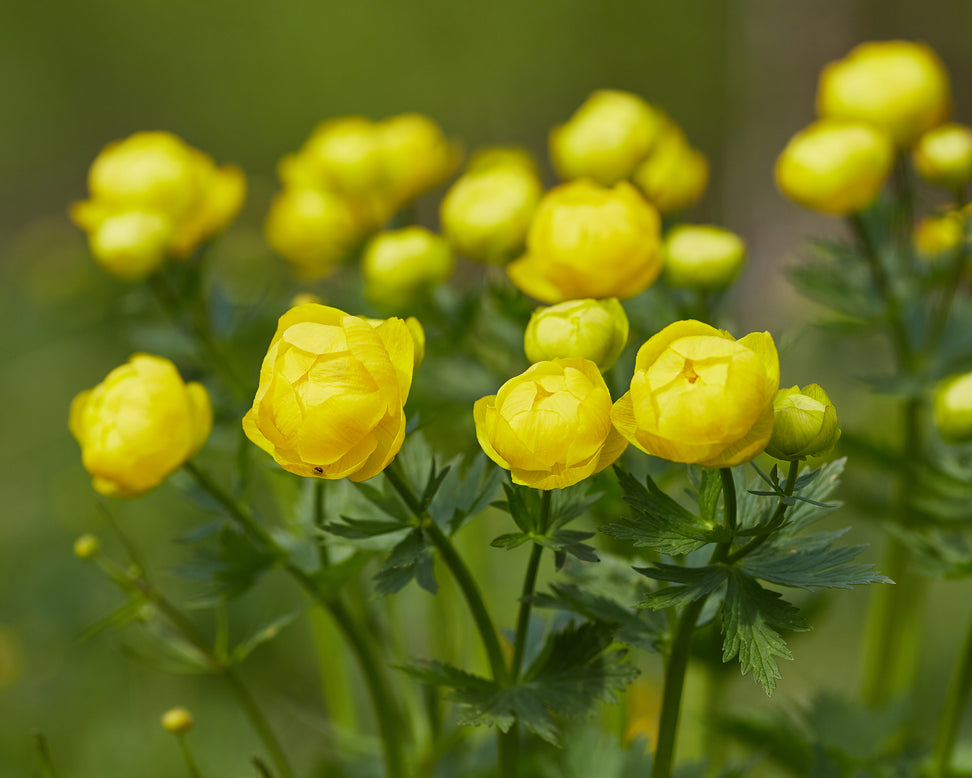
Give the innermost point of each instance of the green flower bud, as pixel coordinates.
(804, 423)
(952, 408)
(177, 721)
(401, 265)
(87, 547)
(702, 257)
(943, 156)
(592, 329)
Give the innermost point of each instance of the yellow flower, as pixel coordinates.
(87, 546)
(313, 229)
(153, 196)
(139, 425)
(399, 266)
(331, 393)
(177, 721)
(943, 156)
(700, 396)
(804, 423)
(606, 138)
(550, 426)
(899, 86)
(702, 257)
(487, 211)
(674, 175)
(416, 330)
(835, 166)
(593, 329)
(952, 408)
(341, 155)
(416, 156)
(589, 241)
(939, 234)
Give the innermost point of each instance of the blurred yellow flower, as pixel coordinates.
(399, 266)
(952, 408)
(589, 241)
(700, 396)
(943, 156)
(487, 211)
(550, 426)
(900, 86)
(700, 256)
(177, 721)
(139, 425)
(606, 138)
(153, 196)
(593, 329)
(835, 166)
(331, 395)
(416, 156)
(674, 175)
(939, 234)
(804, 423)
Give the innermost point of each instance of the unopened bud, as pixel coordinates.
(699, 256)
(804, 423)
(952, 408)
(593, 329)
(177, 721)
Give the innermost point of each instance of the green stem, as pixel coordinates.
(956, 271)
(955, 702)
(386, 711)
(776, 520)
(526, 596)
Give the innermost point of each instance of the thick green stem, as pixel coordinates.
(379, 688)
(955, 702)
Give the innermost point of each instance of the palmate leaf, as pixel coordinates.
(411, 558)
(689, 583)
(752, 618)
(659, 522)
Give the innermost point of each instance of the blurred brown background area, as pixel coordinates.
(245, 80)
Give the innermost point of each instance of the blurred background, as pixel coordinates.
(246, 81)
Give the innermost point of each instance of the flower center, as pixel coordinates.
(688, 371)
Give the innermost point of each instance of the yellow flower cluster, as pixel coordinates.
(348, 178)
(153, 196)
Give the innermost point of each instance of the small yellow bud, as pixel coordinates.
(939, 234)
(344, 156)
(416, 156)
(835, 166)
(487, 212)
(401, 265)
(592, 329)
(177, 721)
(899, 86)
(952, 408)
(943, 156)
(674, 175)
(87, 547)
(131, 244)
(313, 229)
(804, 423)
(606, 138)
(702, 257)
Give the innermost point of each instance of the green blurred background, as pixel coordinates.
(245, 81)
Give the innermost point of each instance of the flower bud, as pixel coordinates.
(487, 212)
(223, 191)
(139, 425)
(589, 241)
(550, 426)
(674, 175)
(312, 229)
(87, 547)
(804, 423)
(177, 721)
(834, 166)
(606, 138)
(402, 265)
(416, 156)
(701, 397)
(590, 329)
(132, 244)
(342, 155)
(939, 234)
(331, 395)
(943, 156)
(702, 257)
(952, 408)
(899, 86)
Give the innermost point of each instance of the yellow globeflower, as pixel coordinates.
(416, 330)
(700, 396)
(139, 425)
(943, 156)
(952, 408)
(341, 154)
(487, 211)
(835, 166)
(700, 256)
(589, 241)
(415, 155)
(331, 392)
(939, 234)
(130, 244)
(804, 423)
(312, 229)
(593, 329)
(550, 426)
(606, 138)
(399, 266)
(674, 175)
(899, 86)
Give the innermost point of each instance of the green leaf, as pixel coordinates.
(690, 584)
(411, 558)
(709, 492)
(387, 501)
(659, 522)
(263, 635)
(752, 618)
(232, 564)
(826, 481)
(510, 540)
(357, 529)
